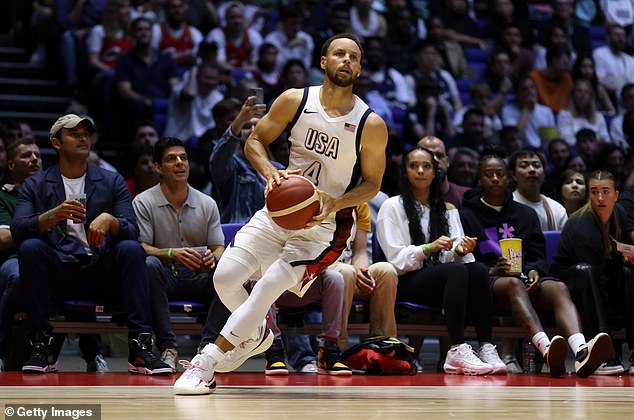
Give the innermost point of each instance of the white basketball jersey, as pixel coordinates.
(326, 149)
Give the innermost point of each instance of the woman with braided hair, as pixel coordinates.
(422, 238)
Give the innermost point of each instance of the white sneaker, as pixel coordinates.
(169, 357)
(593, 354)
(463, 360)
(198, 377)
(310, 367)
(512, 365)
(611, 368)
(489, 354)
(236, 357)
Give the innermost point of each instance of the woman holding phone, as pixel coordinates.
(422, 238)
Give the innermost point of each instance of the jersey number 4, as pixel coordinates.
(312, 172)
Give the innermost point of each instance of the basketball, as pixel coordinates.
(293, 203)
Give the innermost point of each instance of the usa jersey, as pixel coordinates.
(326, 149)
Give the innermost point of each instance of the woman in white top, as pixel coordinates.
(582, 113)
(422, 238)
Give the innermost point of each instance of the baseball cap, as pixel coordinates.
(71, 121)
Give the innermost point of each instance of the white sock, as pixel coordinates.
(576, 341)
(214, 352)
(541, 342)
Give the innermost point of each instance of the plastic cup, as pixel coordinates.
(512, 251)
(200, 249)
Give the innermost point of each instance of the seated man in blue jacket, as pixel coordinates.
(82, 248)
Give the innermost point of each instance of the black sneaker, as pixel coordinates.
(329, 361)
(276, 359)
(556, 356)
(41, 360)
(142, 360)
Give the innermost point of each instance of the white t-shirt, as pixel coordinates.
(392, 230)
(618, 11)
(302, 48)
(613, 71)
(541, 116)
(569, 126)
(76, 186)
(190, 118)
(557, 211)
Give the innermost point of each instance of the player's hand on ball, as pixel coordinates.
(327, 207)
(275, 178)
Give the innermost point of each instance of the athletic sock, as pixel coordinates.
(214, 352)
(541, 342)
(576, 341)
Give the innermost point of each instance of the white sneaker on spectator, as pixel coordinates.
(310, 367)
(169, 357)
(592, 356)
(610, 368)
(512, 364)
(235, 358)
(463, 360)
(198, 377)
(489, 354)
(98, 364)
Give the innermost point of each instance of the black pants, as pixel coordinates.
(459, 289)
(604, 301)
(118, 275)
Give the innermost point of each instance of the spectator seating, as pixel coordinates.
(413, 319)
(160, 109)
(552, 238)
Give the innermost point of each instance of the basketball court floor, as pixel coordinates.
(252, 395)
(249, 394)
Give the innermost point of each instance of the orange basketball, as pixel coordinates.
(293, 203)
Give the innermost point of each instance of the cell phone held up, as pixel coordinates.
(258, 92)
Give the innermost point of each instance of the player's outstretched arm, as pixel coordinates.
(267, 130)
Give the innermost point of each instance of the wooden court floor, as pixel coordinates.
(306, 396)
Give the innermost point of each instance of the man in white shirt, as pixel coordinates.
(527, 114)
(527, 169)
(191, 103)
(614, 67)
(290, 40)
(616, 125)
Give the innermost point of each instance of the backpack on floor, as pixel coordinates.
(381, 355)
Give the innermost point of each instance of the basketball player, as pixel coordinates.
(338, 143)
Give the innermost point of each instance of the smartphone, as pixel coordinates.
(258, 92)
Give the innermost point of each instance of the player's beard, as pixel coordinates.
(338, 81)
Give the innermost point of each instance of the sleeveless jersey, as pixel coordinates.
(113, 48)
(238, 54)
(326, 149)
(182, 45)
